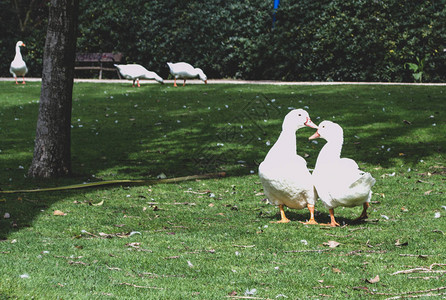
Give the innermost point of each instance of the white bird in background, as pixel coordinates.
(284, 175)
(136, 72)
(18, 66)
(185, 71)
(338, 181)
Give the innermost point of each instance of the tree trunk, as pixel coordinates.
(52, 153)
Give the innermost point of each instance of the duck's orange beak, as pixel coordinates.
(315, 136)
(310, 123)
(206, 81)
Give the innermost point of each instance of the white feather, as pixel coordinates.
(136, 72)
(18, 66)
(338, 181)
(182, 70)
(284, 174)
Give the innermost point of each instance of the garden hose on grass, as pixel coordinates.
(115, 182)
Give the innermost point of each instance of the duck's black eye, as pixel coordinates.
(300, 115)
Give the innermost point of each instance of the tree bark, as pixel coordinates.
(52, 150)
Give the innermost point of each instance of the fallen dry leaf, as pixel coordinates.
(428, 192)
(331, 244)
(382, 195)
(98, 204)
(59, 213)
(335, 270)
(398, 243)
(373, 280)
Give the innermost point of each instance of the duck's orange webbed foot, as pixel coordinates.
(283, 219)
(333, 222)
(363, 215)
(286, 220)
(312, 221)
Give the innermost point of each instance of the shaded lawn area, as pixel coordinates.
(212, 238)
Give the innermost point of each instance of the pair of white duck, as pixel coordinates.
(179, 70)
(337, 181)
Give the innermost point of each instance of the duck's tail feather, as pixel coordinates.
(366, 180)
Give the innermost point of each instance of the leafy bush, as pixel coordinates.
(327, 40)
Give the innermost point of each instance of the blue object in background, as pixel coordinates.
(276, 6)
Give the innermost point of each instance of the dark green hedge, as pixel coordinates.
(325, 40)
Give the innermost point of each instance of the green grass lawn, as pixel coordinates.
(212, 239)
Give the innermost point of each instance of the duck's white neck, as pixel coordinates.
(330, 152)
(285, 145)
(18, 55)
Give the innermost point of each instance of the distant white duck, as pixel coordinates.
(135, 72)
(185, 71)
(284, 175)
(338, 181)
(18, 66)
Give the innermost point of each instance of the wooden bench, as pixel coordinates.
(98, 61)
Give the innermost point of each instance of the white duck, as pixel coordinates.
(338, 181)
(185, 71)
(18, 65)
(135, 72)
(284, 175)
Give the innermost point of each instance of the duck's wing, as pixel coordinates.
(11, 70)
(355, 194)
(365, 181)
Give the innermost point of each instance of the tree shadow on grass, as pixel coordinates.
(207, 129)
